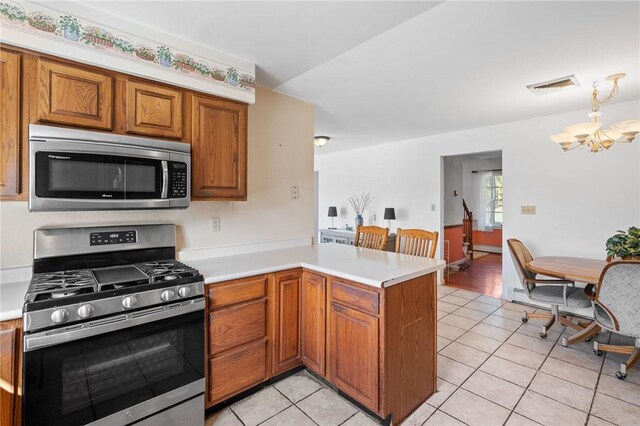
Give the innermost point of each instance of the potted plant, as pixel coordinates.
(232, 76)
(625, 245)
(359, 203)
(41, 21)
(164, 58)
(218, 74)
(203, 69)
(70, 28)
(247, 81)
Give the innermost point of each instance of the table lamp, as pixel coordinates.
(333, 212)
(389, 215)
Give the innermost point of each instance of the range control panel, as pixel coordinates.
(107, 238)
(178, 179)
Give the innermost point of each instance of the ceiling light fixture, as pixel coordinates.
(590, 134)
(321, 141)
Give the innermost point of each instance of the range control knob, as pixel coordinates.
(184, 291)
(85, 311)
(167, 295)
(129, 302)
(59, 316)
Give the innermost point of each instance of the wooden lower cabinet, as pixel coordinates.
(285, 295)
(11, 372)
(377, 345)
(313, 321)
(354, 354)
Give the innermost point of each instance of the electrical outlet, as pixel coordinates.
(215, 224)
(527, 209)
(295, 193)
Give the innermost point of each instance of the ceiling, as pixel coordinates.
(386, 71)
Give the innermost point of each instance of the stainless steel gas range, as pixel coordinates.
(113, 329)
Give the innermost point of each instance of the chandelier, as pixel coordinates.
(590, 135)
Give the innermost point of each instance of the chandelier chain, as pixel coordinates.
(594, 96)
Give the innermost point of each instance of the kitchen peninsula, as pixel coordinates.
(363, 320)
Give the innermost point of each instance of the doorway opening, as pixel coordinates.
(472, 221)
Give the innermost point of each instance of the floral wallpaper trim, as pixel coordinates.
(85, 34)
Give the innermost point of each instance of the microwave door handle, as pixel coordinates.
(165, 179)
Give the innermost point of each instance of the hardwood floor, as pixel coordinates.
(484, 276)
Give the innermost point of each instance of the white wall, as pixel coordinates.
(452, 210)
(581, 198)
(280, 155)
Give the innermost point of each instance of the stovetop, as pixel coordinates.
(66, 284)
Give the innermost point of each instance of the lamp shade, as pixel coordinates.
(389, 213)
(333, 212)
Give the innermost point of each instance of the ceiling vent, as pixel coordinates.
(554, 85)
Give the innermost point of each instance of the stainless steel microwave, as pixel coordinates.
(73, 169)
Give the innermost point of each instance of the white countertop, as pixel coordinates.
(372, 267)
(12, 299)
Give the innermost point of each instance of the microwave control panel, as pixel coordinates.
(108, 238)
(178, 180)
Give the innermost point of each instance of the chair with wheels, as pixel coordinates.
(617, 309)
(550, 291)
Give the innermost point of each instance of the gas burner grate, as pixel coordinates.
(61, 284)
(166, 270)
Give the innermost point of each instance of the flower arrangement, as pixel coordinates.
(625, 245)
(42, 22)
(218, 74)
(124, 45)
(165, 57)
(184, 62)
(247, 81)
(359, 203)
(145, 52)
(70, 28)
(98, 37)
(12, 12)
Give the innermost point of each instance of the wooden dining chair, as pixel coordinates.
(416, 242)
(551, 291)
(373, 237)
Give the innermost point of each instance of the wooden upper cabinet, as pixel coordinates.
(9, 123)
(313, 321)
(153, 110)
(285, 293)
(353, 354)
(74, 96)
(219, 149)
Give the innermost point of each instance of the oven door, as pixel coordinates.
(116, 370)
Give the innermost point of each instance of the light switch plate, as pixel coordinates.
(215, 224)
(527, 209)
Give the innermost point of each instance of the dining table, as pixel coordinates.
(575, 269)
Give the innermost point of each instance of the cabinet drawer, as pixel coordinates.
(237, 370)
(238, 291)
(359, 298)
(237, 325)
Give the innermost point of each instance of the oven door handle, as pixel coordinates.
(75, 332)
(165, 179)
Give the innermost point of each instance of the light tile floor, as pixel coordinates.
(492, 370)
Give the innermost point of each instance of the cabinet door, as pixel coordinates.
(74, 96)
(219, 149)
(353, 354)
(153, 110)
(286, 336)
(10, 372)
(313, 322)
(9, 123)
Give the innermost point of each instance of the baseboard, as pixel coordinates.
(488, 249)
(186, 255)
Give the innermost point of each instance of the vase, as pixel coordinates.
(359, 220)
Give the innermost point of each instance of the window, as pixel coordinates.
(494, 206)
